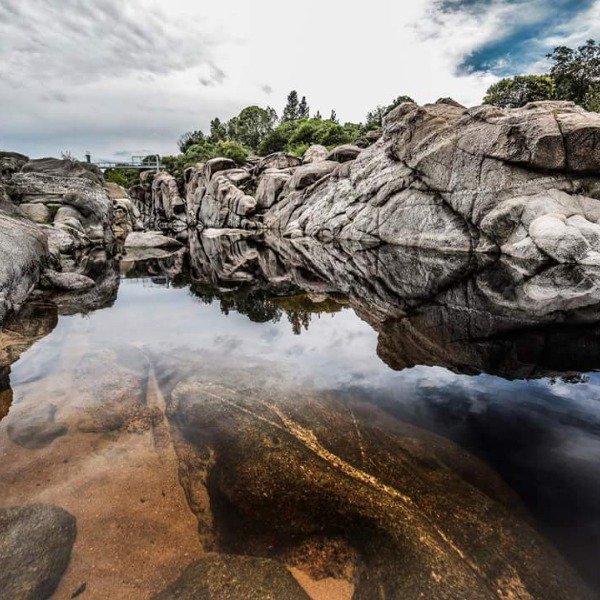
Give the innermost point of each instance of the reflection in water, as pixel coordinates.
(311, 404)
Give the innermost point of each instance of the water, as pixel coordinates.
(110, 411)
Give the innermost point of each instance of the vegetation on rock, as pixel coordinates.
(574, 75)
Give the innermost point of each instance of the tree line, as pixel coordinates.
(574, 75)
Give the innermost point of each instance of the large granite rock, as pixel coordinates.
(23, 256)
(35, 550)
(447, 177)
(229, 577)
(293, 472)
(70, 196)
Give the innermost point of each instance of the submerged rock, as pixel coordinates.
(229, 577)
(65, 281)
(150, 239)
(35, 550)
(291, 471)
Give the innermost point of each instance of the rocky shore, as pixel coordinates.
(523, 183)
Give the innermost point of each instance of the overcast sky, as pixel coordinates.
(122, 77)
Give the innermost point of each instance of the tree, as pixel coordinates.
(252, 125)
(375, 116)
(189, 139)
(513, 92)
(318, 116)
(291, 110)
(333, 116)
(303, 109)
(218, 130)
(576, 72)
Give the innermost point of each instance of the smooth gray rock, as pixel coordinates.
(38, 213)
(65, 281)
(308, 174)
(315, 153)
(214, 165)
(447, 177)
(270, 186)
(277, 160)
(225, 205)
(23, 255)
(150, 239)
(35, 550)
(230, 577)
(64, 168)
(344, 153)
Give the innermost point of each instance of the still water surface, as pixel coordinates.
(93, 428)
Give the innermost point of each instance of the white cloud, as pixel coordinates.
(105, 75)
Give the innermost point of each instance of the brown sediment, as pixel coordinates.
(136, 532)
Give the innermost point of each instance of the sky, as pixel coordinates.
(118, 78)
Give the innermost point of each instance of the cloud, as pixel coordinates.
(510, 36)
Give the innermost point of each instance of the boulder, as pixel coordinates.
(23, 256)
(315, 153)
(270, 186)
(447, 177)
(115, 191)
(308, 174)
(64, 168)
(344, 153)
(214, 165)
(65, 281)
(11, 162)
(225, 205)
(229, 577)
(35, 550)
(150, 239)
(277, 160)
(38, 213)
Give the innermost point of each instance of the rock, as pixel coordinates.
(373, 135)
(150, 239)
(270, 186)
(64, 168)
(23, 256)
(277, 160)
(296, 470)
(214, 165)
(11, 162)
(38, 213)
(35, 550)
(344, 153)
(115, 191)
(65, 281)
(36, 428)
(315, 153)
(229, 577)
(225, 205)
(308, 174)
(447, 177)
(126, 218)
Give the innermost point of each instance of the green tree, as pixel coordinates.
(291, 110)
(375, 116)
(576, 72)
(189, 139)
(218, 130)
(333, 116)
(513, 92)
(592, 98)
(252, 125)
(303, 109)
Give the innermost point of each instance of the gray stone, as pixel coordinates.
(64, 168)
(230, 577)
(315, 153)
(35, 550)
(277, 160)
(270, 186)
(344, 153)
(214, 165)
(65, 281)
(38, 213)
(150, 239)
(308, 174)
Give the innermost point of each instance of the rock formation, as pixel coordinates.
(524, 182)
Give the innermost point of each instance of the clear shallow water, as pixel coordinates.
(541, 436)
